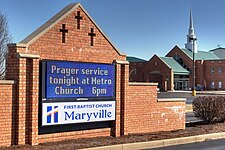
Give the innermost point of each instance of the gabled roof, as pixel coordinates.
(135, 59)
(200, 55)
(56, 19)
(219, 48)
(49, 24)
(175, 66)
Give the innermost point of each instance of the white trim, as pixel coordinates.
(124, 62)
(17, 45)
(142, 84)
(172, 99)
(7, 82)
(34, 56)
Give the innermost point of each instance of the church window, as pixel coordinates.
(167, 77)
(220, 70)
(212, 85)
(188, 69)
(133, 71)
(179, 60)
(212, 70)
(176, 57)
(219, 84)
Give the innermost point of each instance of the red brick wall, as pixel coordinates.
(6, 112)
(73, 135)
(216, 77)
(136, 73)
(77, 46)
(145, 114)
(156, 64)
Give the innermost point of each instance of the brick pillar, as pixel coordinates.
(124, 97)
(12, 73)
(34, 102)
(122, 78)
(24, 70)
(21, 101)
(116, 127)
(28, 98)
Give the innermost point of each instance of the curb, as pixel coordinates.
(162, 143)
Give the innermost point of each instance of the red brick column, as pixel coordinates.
(28, 97)
(13, 72)
(116, 127)
(34, 102)
(24, 69)
(125, 91)
(122, 78)
(21, 101)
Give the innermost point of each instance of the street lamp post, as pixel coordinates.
(193, 52)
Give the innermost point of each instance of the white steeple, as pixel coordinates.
(191, 38)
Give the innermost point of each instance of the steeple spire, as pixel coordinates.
(191, 21)
(191, 38)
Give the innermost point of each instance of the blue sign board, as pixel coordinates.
(79, 80)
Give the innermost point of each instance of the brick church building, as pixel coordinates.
(175, 70)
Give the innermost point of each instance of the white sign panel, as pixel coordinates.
(77, 112)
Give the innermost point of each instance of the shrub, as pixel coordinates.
(210, 108)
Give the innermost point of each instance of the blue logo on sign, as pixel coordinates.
(52, 114)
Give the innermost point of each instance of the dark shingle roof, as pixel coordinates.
(176, 67)
(135, 59)
(201, 55)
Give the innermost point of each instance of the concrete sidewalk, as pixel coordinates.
(190, 118)
(161, 143)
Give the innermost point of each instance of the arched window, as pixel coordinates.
(179, 60)
(212, 70)
(212, 85)
(219, 70)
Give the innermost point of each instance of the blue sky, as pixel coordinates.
(138, 28)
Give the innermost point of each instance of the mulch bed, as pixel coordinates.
(103, 141)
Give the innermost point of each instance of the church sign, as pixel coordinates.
(77, 92)
(79, 80)
(77, 112)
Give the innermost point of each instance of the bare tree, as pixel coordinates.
(5, 38)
